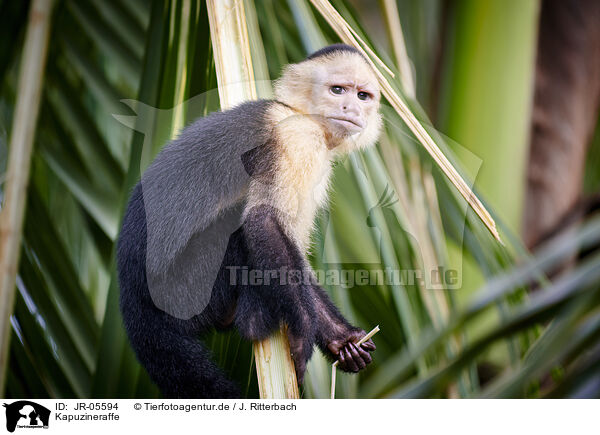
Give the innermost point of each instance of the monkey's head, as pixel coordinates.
(338, 85)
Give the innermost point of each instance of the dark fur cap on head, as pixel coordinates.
(335, 48)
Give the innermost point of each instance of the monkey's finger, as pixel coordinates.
(356, 356)
(360, 363)
(342, 360)
(350, 363)
(334, 347)
(369, 345)
(366, 356)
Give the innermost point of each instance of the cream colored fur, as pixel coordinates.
(306, 147)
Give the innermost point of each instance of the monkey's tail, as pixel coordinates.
(167, 347)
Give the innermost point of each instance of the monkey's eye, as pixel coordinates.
(337, 90)
(363, 96)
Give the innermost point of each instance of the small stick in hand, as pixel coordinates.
(374, 331)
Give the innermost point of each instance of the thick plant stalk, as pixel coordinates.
(564, 116)
(235, 76)
(31, 73)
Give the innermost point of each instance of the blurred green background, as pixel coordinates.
(493, 80)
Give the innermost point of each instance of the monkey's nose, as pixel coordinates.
(350, 108)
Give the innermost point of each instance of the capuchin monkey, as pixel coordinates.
(238, 191)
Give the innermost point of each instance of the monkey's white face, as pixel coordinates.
(345, 94)
(340, 88)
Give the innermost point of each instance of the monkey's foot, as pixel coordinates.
(301, 349)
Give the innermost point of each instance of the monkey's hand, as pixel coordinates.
(351, 356)
(337, 338)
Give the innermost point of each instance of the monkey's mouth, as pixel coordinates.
(349, 124)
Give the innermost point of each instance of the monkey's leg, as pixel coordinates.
(221, 309)
(337, 338)
(281, 295)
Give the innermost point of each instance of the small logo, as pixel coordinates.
(26, 414)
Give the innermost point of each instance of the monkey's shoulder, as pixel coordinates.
(242, 122)
(274, 118)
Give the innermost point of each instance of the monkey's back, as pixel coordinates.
(192, 194)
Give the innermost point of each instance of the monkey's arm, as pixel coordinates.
(280, 297)
(309, 313)
(337, 338)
